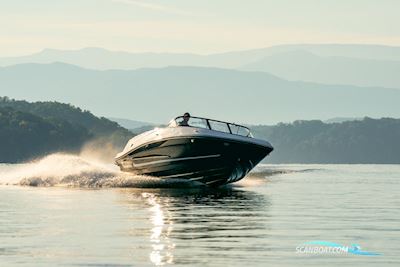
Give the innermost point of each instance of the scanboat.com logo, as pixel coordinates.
(325, 247)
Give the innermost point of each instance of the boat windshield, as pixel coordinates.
(212, 125)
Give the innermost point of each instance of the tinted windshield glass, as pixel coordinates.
(219, 126)
(211, 124)
(240, 130)
(193, 122)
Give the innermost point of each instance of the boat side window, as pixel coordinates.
(240, 130)
(219, 126)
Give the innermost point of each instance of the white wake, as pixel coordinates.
(77, 171)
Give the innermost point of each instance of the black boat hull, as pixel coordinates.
(209, 160)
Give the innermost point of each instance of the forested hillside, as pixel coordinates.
(28, 130)
(365, 141)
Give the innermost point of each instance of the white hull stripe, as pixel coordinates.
(196, 178)
(173, 160)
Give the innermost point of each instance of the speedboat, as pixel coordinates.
(199, 149)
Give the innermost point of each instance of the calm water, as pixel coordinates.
(256, 222)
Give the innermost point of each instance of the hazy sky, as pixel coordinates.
(192, 26)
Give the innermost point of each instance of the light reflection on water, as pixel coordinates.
(204, 223)
(160, 238)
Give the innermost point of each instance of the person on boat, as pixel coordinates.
(185, 121)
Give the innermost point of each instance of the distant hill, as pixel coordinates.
(161, 94)
(130, 124)
(34, 129)
(305, 66)
(102, 59)
(365, 141)
(361, 51)
(354, 64)
(74, 115)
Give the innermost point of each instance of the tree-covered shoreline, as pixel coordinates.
(366, 141)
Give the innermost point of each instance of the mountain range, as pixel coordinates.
(158, 94)
(360, 65)
(302, 65)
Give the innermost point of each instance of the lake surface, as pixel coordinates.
(257, 222)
